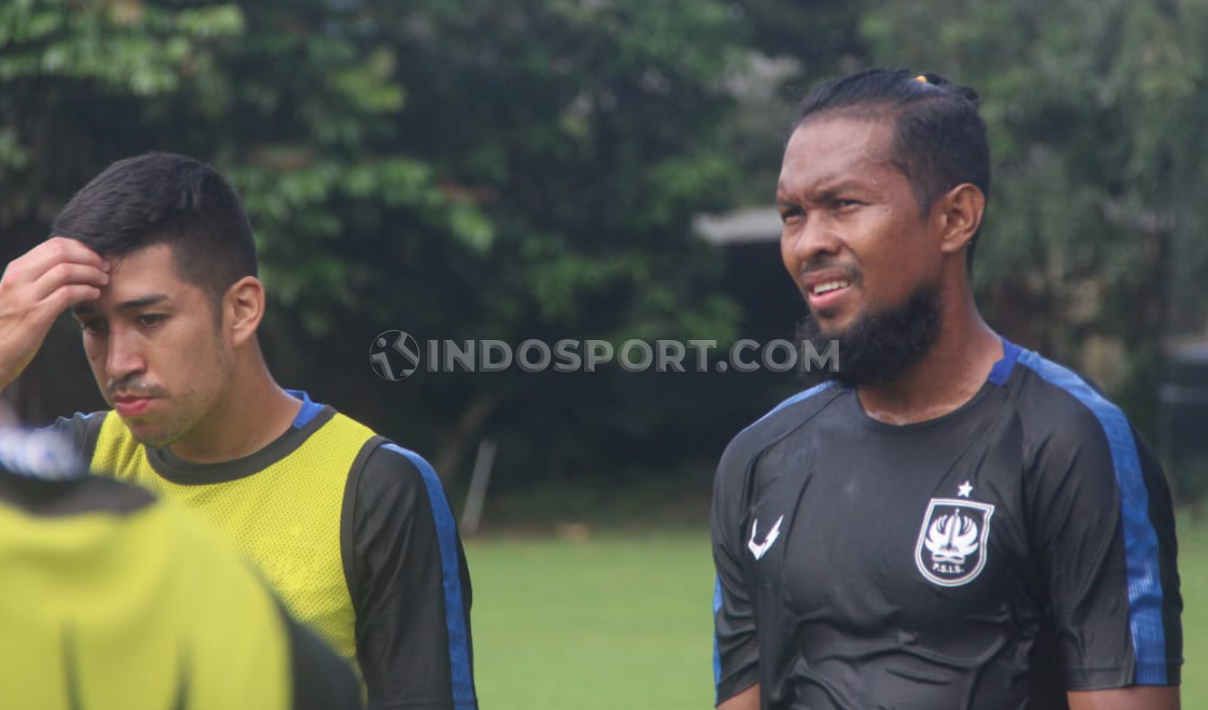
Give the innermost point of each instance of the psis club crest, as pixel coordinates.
(951, 549)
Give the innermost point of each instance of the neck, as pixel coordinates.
(252, 412)
(950, 374)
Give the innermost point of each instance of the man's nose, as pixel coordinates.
(812, 239)
(125, 354)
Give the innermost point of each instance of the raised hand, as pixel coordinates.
(35, 288)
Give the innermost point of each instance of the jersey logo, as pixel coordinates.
(759, 549)
(951, 549)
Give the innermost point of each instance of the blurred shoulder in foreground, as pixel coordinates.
(113, 598)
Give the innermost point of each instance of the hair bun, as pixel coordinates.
(969, 95)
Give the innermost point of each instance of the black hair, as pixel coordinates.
(164, 198)
(939, 138)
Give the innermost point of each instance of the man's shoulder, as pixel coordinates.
(383, 473)
(789, 415)
(1056, 403)
(81, 429)
(79, 421)
(386, 459)
(386, 472)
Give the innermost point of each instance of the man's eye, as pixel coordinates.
(150, 319)
(94, 327)
(847, 204)
(790, 214)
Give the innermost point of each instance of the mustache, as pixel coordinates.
(132, 387)
(825, 264)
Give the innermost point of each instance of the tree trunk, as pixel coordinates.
(452, 451)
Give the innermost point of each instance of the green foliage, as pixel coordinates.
(531, 169)
(403, 167)
(589, 143)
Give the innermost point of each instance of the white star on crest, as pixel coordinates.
(964, 489)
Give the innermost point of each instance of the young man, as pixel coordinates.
(156, 260)
(956, 522)
(115, 599)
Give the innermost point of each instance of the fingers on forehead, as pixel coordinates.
(60, 248)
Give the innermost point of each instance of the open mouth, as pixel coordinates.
(828, 294)
(829, 287)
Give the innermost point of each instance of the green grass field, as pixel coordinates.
(624, 620)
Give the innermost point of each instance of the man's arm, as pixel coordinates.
(35, 289)
(1134, 698)
(1104, 539)
(409, 583)
(735, 646)
(321, 679)
(749, 700)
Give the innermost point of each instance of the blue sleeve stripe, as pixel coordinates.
(716, 644)
(800, 396)
(1001, 372)
(1140, 538)
(455, 617)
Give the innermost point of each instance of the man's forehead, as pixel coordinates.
(153, 257)
(832, 149)
(142, 278)
(154, 266)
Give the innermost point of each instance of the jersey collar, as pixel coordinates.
(1001, 372)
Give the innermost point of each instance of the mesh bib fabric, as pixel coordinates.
(285, 517)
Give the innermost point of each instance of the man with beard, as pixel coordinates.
(951, 521)
(155, 258)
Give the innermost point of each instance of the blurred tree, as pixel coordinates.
(796, 44)
(458, 169)
(590, 133)
(468, 169)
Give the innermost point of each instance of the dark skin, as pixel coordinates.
(851, 214)
(855, 240)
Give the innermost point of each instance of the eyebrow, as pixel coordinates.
(827, 187)
(133, 304)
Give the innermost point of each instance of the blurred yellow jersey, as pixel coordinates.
(112, 598)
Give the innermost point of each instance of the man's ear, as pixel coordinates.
(959, 212)
(243, 309)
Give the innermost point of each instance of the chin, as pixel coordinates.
(831, 325)
(150, 435)
(153, 439)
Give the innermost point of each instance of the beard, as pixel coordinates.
(879, 347)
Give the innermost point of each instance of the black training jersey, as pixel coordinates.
(1018, 547)
(113, 599)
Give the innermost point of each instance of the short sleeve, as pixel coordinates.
(1103, 536)
(735, 645)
